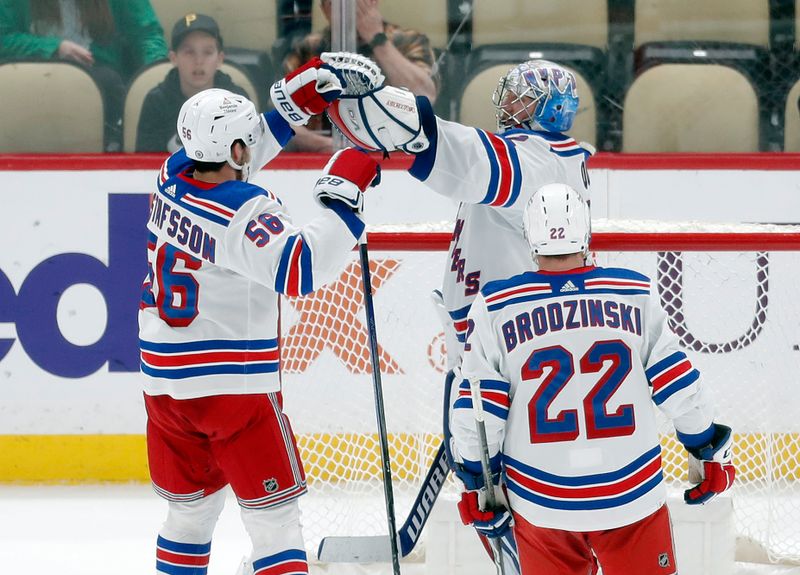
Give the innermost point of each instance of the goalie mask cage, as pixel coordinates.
(731, 295)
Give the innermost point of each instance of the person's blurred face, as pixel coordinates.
(519, 108)
(197, 58)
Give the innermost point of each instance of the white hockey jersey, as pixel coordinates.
(219, 256)
(493, 176)
(570, 365)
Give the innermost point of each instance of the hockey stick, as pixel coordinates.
(370, 549)
(491, 501)
(379, 410)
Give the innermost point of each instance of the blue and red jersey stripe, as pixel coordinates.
(295, 272)
(670, 375)
(598, 491)
(505, 172)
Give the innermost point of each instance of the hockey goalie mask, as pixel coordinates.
(538, 95)
(556, 221)
(212, 120)
(373, 116)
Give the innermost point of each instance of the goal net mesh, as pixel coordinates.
(730, 293)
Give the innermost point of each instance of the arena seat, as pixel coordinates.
(149, 78)
(691, 108)
(736, 21)
(51, 107)
(546, 29)
(791, 123)
(731, 32)
(476, 107)
(546, 22)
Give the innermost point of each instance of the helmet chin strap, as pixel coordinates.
(243, 169)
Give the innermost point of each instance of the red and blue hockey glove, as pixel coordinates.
(472, 508)
(346, 177)
(710, 467)
(307, 91)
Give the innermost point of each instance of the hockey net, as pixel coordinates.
(730, 292)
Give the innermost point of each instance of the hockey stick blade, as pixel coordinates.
(377, 548)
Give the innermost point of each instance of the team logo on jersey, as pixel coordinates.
(567, 287)
(663, 560)
(271, 485)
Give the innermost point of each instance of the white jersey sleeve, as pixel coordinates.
(263, 243)
(676, 386)
(498, 170)
(482, 362)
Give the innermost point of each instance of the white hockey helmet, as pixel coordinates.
(212, 120)
(537, 95)
(556, 221)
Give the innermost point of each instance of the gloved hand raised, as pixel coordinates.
(307, 91)
(346, 176)
(710, 467)
(473, 510)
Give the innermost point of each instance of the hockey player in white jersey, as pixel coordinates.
(569, 361)
(491, 175)
(221, 251)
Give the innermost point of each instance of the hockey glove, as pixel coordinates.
(307, 91)
(347, 175)
(710, 467)
(472, 508)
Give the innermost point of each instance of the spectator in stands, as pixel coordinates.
(196, 55)
(110, 38)
(404, 56)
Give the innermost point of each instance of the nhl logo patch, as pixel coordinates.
(271, 485)
(663, 560)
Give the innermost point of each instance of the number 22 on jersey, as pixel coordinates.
(554, 367)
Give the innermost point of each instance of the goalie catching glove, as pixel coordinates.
(373, 116)
(472, 508)
(307, 91)
(346, 176)
(710, 467)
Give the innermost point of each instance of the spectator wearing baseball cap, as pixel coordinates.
(196, 54)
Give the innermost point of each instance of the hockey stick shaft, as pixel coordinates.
(491, 501)
(379, 408)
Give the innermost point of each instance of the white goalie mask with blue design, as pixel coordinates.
(537, 95)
